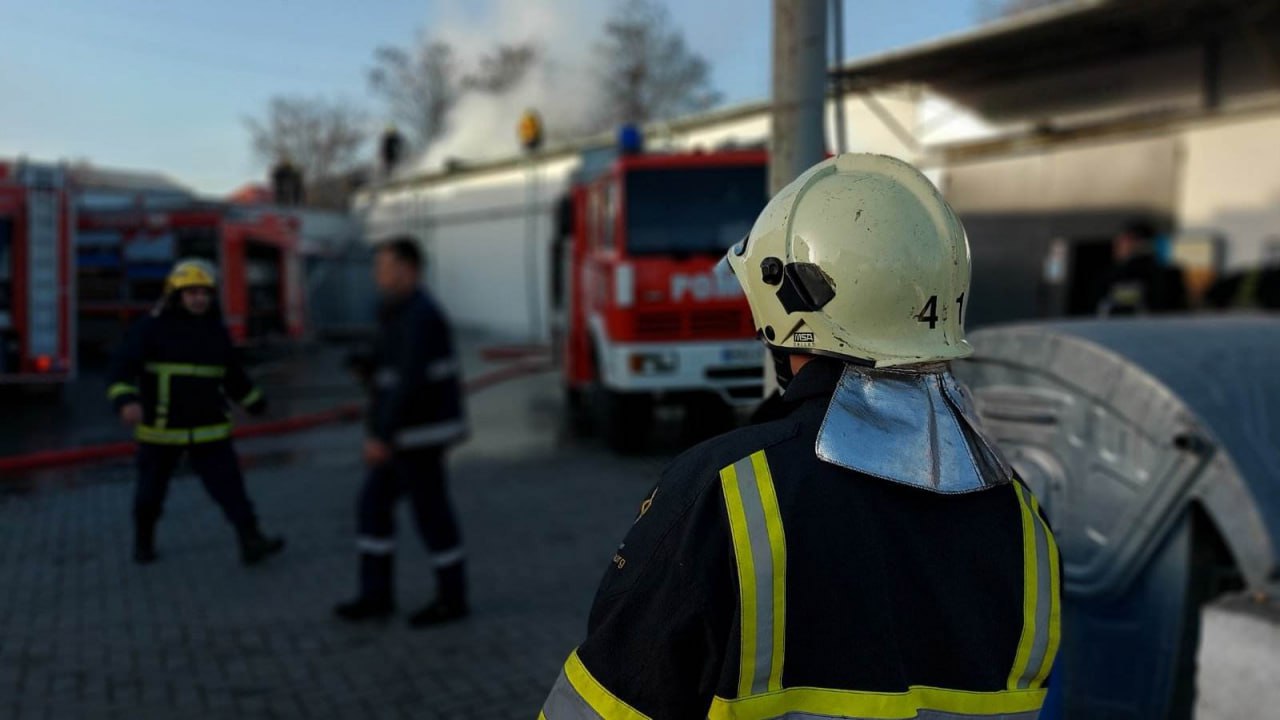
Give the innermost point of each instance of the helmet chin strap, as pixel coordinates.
(782, 368)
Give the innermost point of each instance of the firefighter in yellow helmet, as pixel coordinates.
(170, 381)
(868, 555)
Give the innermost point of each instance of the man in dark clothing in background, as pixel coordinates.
(171, 381)
(415, 414)
(1139, 283)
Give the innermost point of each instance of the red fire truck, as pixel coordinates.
(36, 291)
(125, 254)
(646, 318)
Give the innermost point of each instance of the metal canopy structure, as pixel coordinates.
(1089, 32)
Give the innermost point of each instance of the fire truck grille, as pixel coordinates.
(703, 323)
(658, 325)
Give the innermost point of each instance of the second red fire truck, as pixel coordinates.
(646, 317)
(37, 320)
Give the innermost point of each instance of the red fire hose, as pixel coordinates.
(343, 413)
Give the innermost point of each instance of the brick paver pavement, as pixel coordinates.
(84, 633)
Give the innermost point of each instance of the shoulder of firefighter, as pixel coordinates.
(183, 373)
(759, 581)
(416, 393)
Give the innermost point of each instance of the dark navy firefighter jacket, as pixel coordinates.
(759, 582)
(416, 395)
(185, 372)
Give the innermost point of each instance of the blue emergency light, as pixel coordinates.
(630, 140)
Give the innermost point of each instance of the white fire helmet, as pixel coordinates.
(858, 258)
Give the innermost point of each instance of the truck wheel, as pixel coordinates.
(625, 420)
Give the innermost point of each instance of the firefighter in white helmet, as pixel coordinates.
(869, 554)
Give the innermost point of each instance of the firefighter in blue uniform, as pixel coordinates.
(415, 414)
(869, 554)
(171, 381)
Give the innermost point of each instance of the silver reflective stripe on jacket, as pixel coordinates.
(564, 703)
(387, 378)
(915, 427)
(577, 695)
(440, 433)
(442, 369)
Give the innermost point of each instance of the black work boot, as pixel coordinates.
(451, 599)
(144, 543)
(256, 547)
(374, 602)
(439, 612)
(363, 608)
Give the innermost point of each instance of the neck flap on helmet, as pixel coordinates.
(913, 427)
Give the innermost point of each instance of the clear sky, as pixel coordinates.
(165, 86)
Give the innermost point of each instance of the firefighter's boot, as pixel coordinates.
(374, 602)
(451, 599)
(256, 547)
(144, 542)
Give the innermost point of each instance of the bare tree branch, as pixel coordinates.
(648, 70)
(420, 87)
(322, 138)
(503, 69)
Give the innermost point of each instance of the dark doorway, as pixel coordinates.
(1090, 265)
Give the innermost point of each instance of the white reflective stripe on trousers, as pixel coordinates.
(375, 545)
(434, 434)
(446, 558)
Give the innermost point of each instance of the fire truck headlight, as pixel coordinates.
(654, 363)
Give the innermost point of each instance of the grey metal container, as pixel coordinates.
(1154, 445)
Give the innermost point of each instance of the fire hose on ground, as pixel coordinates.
(525, 361)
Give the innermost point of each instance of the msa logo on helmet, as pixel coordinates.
(707, 286)
(802, 338)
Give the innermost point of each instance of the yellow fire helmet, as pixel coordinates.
(858, 258)
(191, 273)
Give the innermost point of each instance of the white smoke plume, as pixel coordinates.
(560, 86)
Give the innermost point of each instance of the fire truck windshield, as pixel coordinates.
(694, 211)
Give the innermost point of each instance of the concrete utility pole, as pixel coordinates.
(799, 93)
(799, 88)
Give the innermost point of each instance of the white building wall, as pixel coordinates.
(1231, 186)
(489, 247)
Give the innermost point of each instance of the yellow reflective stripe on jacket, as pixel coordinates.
(760, 552)
(187, 369)
(1055, 599)
(211, 433)
(935, 703)
(182, 436)
(254, 396)
(579, 696)
(165, 371)
(1041, 605)
(119, 389)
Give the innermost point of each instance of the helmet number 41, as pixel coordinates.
(929, 313)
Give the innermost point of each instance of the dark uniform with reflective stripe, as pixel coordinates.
(416, 408)
(762, 582)
(183, 369)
